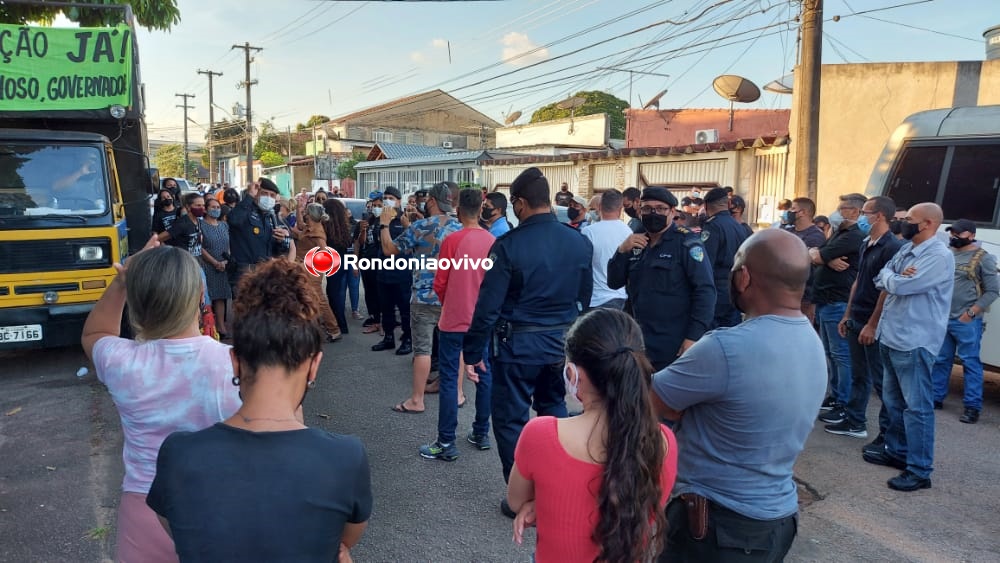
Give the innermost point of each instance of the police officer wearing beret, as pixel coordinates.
(722, 236)
(254, 233)
(540, 281)
(668, 280)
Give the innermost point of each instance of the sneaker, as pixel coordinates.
(357, 315)
(437, 450)
(970, 416)
(845, 428)
(828, 404)
(834, 416)
(481, 441)
(908, 481)
(876, 445)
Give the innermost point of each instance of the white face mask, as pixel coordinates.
(592, 216)
(572, 387)
(389, 203)
(376, 211)
(266, 203)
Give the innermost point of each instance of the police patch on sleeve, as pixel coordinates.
(697, 253)
(493, 256)
(705, 235)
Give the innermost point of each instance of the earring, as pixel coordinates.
(236, 380)
(310, 384)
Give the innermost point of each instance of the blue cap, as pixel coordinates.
(375, 195)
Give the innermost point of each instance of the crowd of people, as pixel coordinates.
(671, 328)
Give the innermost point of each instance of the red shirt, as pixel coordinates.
(461, 286)
(566, 490)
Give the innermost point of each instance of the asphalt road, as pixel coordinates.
(60, 470)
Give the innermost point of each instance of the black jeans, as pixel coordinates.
(370, 280)
(731, 537)
(393, 296)
(336, 298)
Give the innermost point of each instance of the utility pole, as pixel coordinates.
(186, 108)
(807, 88)
(211, 125)
(247, 84)
(289, 131)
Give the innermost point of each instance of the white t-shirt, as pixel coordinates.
(606, 236)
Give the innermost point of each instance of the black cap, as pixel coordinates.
(962, 226)
(268, 185)
(659, 193)
(715, 194)
(393, 191)
(441, 193)
(420, 193)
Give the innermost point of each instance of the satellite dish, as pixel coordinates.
(735, 89)
(782, 85)
(655, 101)
(571, 103)
(512, 118)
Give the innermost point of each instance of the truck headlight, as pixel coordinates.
(90, 253)
(117, 111)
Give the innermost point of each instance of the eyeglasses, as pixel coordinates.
(645, 210)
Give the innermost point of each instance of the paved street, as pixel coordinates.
(60, 470)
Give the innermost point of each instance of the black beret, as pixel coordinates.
(268, 185)
(530, 176)
(659, 193)
(715, 194)
(391, 190)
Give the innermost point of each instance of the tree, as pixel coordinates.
(271, 158)
(313, 121)
(268, 141)
(346, 168)
(597, 102)
(170, 161)
(151, 14)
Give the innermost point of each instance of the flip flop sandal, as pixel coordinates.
(370, 329)
(401, 407)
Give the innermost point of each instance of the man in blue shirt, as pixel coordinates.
(495, 214)
(917, 283)
(748, 406)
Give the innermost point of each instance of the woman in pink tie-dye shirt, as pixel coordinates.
(170, 378)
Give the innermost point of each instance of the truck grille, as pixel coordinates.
(20, 257)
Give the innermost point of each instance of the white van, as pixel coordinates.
(951, 157)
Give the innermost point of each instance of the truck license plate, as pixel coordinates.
(23, 333)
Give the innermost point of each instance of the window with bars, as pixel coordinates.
(382, 136)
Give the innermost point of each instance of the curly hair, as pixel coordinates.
(338, 235)
(631, 525)
(276, 317)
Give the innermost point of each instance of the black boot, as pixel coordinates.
(387, 343)
(405, 347)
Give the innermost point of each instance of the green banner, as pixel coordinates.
(46, 68)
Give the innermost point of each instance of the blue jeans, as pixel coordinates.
(828, 316)
(906, 388)
(866, 372)
(354, 285)
(962, 339)
(450, 348)
(516, 389)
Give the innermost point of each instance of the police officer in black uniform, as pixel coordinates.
(394, 286)
(540, 281)
(254, 233)
(668, 280)
(722, 236)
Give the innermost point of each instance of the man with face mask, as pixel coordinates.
(836, 264)
(748, 395)
(576, 211)
(722, 236)
(254, 234)
(540, 281)
(631, 198)
(918, 284)
(494, 214)
(593, 211)
(393, 285)
(976, 288)
(667, 278)
(369, 245)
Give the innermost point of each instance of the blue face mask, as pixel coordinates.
(863, 224)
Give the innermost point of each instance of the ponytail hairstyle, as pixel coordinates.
(631, 526)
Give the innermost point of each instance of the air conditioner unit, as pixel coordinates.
(447, 144)
(706, 136)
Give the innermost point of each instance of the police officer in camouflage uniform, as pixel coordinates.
(668, 280)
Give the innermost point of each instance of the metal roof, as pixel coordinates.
(393, 151)
(477, 156)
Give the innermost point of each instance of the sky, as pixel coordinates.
(332, 57)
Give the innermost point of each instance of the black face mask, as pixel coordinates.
(959, 242)
(631, 212)
(734, 294)
(909, 230)
(654, 222)
(166, 203)
(895, 226)
(573, 213)
(487, 214)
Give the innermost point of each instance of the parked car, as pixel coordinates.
(560, 210)
(357, 206)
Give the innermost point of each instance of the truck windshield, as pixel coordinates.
(39, 181)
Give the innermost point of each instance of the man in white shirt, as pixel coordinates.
(606, 236)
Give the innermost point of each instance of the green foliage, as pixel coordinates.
(469, 186)
(151, 14)
(313, 121)
(346, 168)
(271, 158)
(268, 141)
(597, 102)
(170, 160)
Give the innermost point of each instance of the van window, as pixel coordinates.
(916, 177)
(973, 180)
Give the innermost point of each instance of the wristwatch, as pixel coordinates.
(971, 313)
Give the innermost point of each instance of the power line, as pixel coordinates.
(918, 28)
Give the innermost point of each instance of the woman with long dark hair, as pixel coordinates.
(338, 237)
(595, 484)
